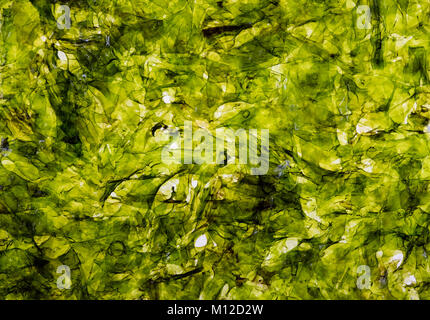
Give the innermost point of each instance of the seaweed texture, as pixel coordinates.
(83, 114)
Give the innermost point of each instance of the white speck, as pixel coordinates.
(194, 183)
(62, 56)
(167, 98)
(268, 257)
(401, 41)
(410, 280)
(397, 257)
(368, 165)
(201, 241)
(205, 75)
(342, 136)
(169, 187)
(313, 215)
(290, 244)
(361, 128)
(113, 194)
(337, 161)
(218, 112)
(43, 38)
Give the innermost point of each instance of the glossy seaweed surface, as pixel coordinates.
(88, 90)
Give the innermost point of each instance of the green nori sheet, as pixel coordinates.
(342, 213)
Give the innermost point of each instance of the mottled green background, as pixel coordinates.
(82, 183)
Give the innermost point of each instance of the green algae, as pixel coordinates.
(82, 117)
